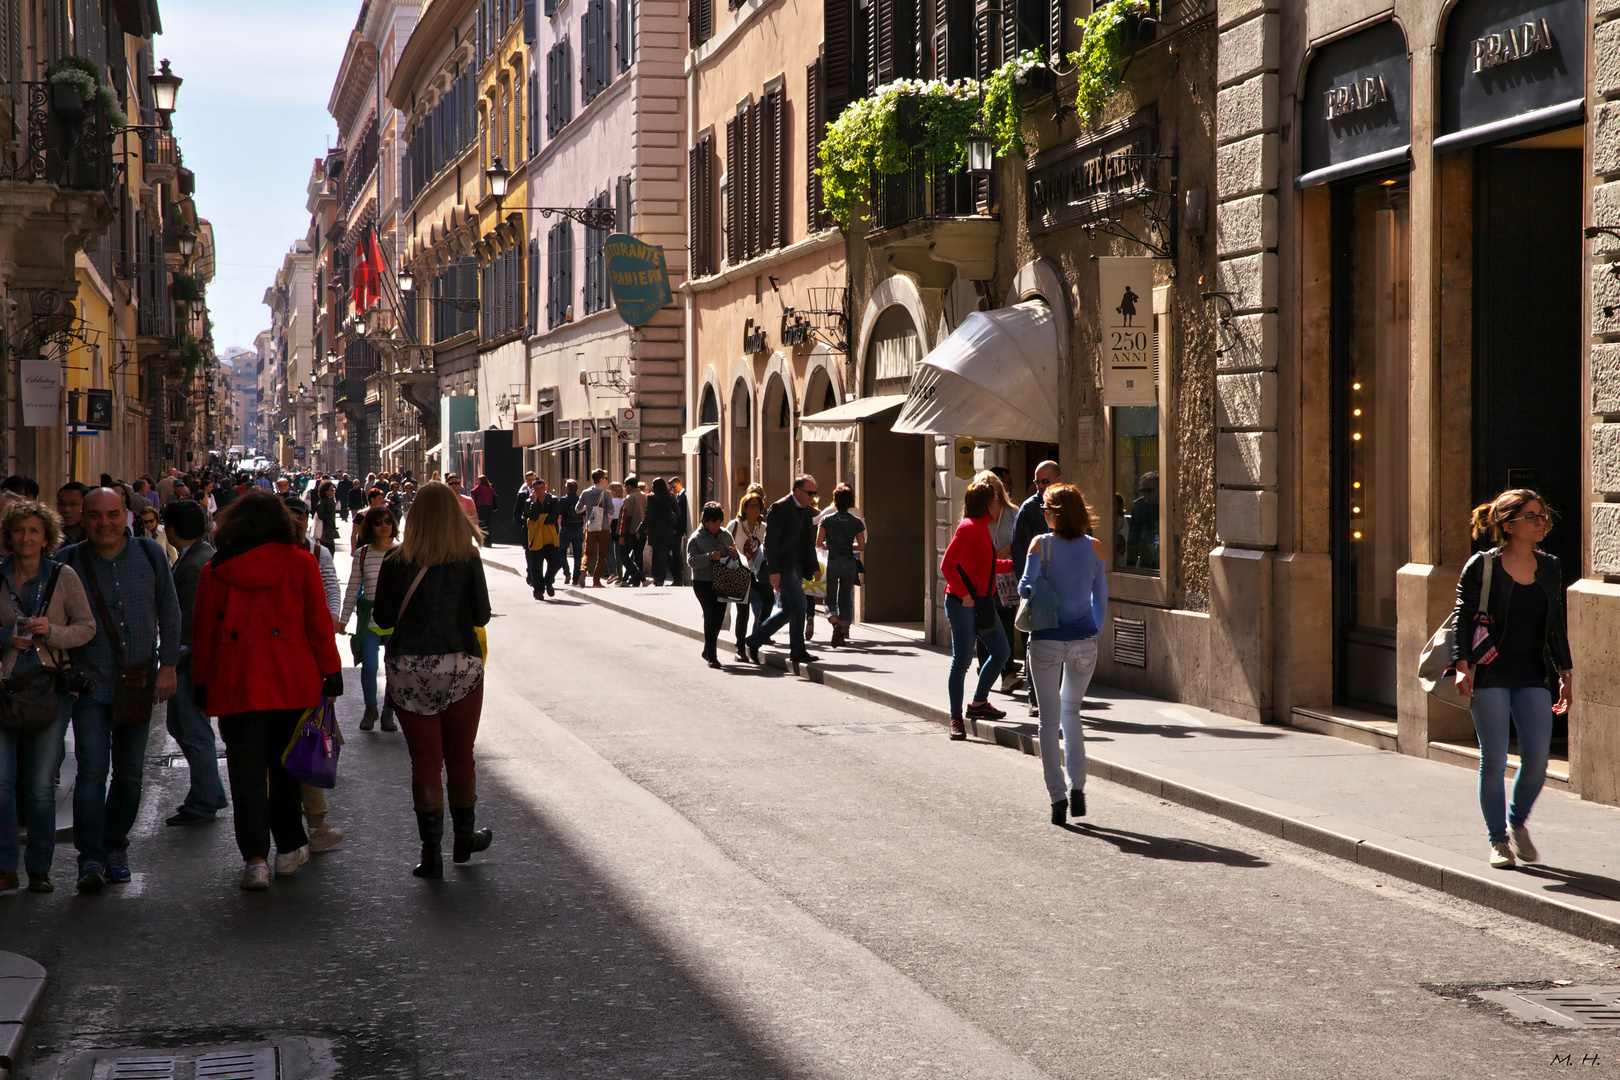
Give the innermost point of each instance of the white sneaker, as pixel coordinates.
(1523, 848)
(325, 838)
(1501, 856)
(255, 877)
(287, 864)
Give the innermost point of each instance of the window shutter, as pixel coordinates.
(1054, 29)
(587, 58)
(692, 20)
(531, 23)
(567, 85)
(534, 113)
(836, 29)
(567, 267)
(814, 131)
(734, 189)
(1009, 29)
(590, 268)
(879, 34)
(954, 39)
(697, 264)
(986, 38)
(551, 92)
(621, 205)
(623, 36)
(754, 166)
(779, 166)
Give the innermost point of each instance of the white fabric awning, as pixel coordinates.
(436, 449)
(841, 422)
(690, 441)
(996, 377)
(566, 442)
(399, 447)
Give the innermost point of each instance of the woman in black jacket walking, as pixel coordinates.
(660, 528)
(1516, 672)
(326, 512)
(432, 594)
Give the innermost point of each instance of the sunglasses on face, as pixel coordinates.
(1042, 483)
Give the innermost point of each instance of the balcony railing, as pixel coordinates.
(925, 190)
(64, 141)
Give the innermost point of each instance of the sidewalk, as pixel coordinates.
(21, 983)
(1416, 819)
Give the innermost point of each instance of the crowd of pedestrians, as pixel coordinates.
(215, 594)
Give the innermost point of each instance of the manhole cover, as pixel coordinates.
(906, 727)
(1564, 1006)
(246, 1064)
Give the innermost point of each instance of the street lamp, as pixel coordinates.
(981, 153)
(497, 175)
(360, 325)
(187, 240)
(407, 281)
(198, 305)
(165, 88)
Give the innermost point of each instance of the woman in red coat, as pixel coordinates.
(970, 566)
(263, 653)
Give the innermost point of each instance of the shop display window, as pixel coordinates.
(1135, 518)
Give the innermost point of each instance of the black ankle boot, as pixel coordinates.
(468, 839)
(1077, 803)
(430, 826)
(1057, 812)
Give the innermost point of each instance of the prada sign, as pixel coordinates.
(1362, 124)
(1362, 94)
(1514, 43)
(1095, 175)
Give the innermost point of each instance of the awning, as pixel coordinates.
(567, 442)
(690, 441)
(995, 377)
(841, 422)
(399, 447)
(434, 450)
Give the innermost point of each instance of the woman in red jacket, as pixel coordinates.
(262, 642)
(970, 567)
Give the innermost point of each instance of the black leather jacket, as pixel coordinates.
(452, 599)
(1555, 637)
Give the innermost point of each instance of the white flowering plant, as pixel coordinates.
(1096, 62)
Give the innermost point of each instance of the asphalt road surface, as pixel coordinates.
(689, 881)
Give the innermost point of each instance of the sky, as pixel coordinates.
(251, 120)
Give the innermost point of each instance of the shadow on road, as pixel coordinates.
(1174, 731)
(1168, 848)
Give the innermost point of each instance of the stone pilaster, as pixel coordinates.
(1604, 355)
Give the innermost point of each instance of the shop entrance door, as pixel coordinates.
(1370, 349)
(1527, 334)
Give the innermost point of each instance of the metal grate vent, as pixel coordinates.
(1565, 1006)
(1130, 642)
(247, 1064)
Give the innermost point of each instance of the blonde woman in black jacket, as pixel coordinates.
(1524, 671)
(432, 594)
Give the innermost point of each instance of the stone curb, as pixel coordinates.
(22, 982)
(1411, 860)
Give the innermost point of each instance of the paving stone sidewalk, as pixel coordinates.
(21, 983)
(1411, 817)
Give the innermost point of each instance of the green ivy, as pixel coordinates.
(191, 355)
(1096, 64)
(1002, 113)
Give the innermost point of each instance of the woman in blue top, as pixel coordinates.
(1063, 658)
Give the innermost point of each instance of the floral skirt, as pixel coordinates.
(428, 685)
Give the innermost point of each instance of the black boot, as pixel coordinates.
(468, 839)
(430, 826)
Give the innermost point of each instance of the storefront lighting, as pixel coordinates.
(1356, 436)
(1355, 386)
(165, 88)
(1356, 485)
(407, 281)
(497, 175)
(1355, 412)
(1356, 536)
(1355, 509)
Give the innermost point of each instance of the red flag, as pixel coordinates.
(360, 285)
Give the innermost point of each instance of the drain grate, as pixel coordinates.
(906, 727)
(246, 1064)
(1565, 1006)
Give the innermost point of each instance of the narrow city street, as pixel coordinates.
(700, 873)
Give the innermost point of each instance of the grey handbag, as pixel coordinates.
(1435, 668)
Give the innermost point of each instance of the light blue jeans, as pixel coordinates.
(1061, 672)
(962, 638)
(28, 763)
(1531, 711)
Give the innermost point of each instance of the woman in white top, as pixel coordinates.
(1001, 534)
(613, 529)
(748, 536)
(377, 533)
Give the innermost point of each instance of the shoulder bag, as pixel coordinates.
(135, 690)
(984, 613)
(31, 702)
(1436, 670)
(1039, 610)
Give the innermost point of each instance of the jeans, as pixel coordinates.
(268, 798)
(28, 764)
(660, 562)
(1531, 712)
(370, 646)
(486, 515)
(572, 540)
(103, 809)
(841, 596)
(543, 566)
(963, 636)
(790, 609)
(1062, 671)
(758, 601)
(677, 560)
(597, 546)
(630, 565)
(714, 614)
(444, 743)
(190, 728)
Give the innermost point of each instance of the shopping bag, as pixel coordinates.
(312, 755)
(732, 580)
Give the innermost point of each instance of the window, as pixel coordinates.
(700, 207)
(815, 130)
(559, 88)
(1140, 517)
(596, 281)
(596, 50)
(756, 178)
(534, 285)
(502, 309)
(560, 274)
(891, 35)
(625, 35)
(699, 21)
(459, 281)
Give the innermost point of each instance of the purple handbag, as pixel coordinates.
(312, 756)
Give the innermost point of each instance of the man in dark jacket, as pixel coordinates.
(183, 524)
(683, 528)
(790, 557)
(1030, 523)
(344, 486)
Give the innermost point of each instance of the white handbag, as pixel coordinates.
(1436, 671)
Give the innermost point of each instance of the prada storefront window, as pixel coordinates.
(1371, 358)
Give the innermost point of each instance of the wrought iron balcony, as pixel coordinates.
(64, 141)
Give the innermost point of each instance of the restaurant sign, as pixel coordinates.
(1094, 176)
(637, 276)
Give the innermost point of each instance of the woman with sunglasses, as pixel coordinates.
(375, 537)
(1526, 661)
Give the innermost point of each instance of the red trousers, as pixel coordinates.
(443, 743)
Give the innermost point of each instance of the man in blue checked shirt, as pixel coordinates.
(132, 594)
